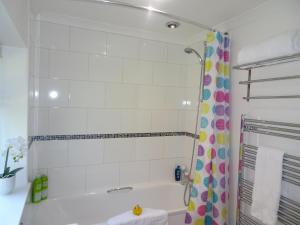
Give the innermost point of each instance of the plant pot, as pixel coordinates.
(7, 185)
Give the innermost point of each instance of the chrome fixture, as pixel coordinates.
(185, 177)
(149, 9)
(265, 63)
(289, 209)
(172, 24)
(119, 189)
(188, 181)
(191, 50)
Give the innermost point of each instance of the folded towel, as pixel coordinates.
(287, 43)
(267, 184)
(148, 217)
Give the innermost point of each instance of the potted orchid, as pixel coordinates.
(15, 149)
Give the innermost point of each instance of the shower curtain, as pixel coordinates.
(209, 193)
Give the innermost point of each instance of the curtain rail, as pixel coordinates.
(148, 9)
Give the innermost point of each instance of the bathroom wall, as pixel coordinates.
(86, 81)
(13, 102)
(14, 23)
(269, 19)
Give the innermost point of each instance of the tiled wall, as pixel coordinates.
(108, 83)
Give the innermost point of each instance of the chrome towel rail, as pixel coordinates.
(289, 210)
(119, 189)
(270, 79)
(263, 63)
(271, 97)
(272, 128)
(269, 122)
(291, 168)
(268, 62)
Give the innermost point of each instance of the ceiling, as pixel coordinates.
(207, 12)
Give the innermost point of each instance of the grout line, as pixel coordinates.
(112, 56)
(152, 84)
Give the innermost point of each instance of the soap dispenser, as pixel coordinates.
(178, 173)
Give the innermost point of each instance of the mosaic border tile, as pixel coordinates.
(108, 136)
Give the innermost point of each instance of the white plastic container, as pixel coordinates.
(7, 185)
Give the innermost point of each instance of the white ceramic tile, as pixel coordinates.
(190, 121)
(168, 74)
(85, 152)
(104, 121)
(102, 176)
(54, 36)
(40, 62)
(105, 68)
(31, 122)
(137, 72)
(121, 96)
(87, 94)
(135, 121)
(188, 148)
(164, 121)
(174, 147)
(163, 170)
(31, 90)
(176, 54)
(52, 92)
(39, 124)
(34, 34)
(181, 120)
(149, 148)
(85, 40)
(123, 46)
(34, 84)
(51, 153)
(66, 181)
(153, 50)
(151, 97)
(193, 75)
(119, 150)
(174, 98)
(192, 97)
(67, 121)
(134, 172)
(69, 65)
(31, 54)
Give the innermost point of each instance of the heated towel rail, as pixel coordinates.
(289, 210)
(263, 63)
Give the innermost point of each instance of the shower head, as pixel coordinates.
(191, 50)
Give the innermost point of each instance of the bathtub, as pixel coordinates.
(96, 208)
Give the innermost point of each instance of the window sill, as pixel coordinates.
(12, 206)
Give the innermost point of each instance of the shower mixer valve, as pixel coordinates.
(186, 177)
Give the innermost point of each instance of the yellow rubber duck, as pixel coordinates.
(137, 210)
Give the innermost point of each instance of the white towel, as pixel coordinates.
(287, 43)
(267, 185)
(148, 217)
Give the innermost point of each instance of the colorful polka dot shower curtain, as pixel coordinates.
(209, 194)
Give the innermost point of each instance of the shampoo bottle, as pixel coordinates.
(44, 180)
(178, 173)
(37, 190)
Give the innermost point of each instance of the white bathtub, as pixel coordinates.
(96, 208)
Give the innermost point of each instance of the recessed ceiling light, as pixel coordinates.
(172, 24)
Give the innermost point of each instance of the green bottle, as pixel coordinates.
(44, 179)
(37, 190)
